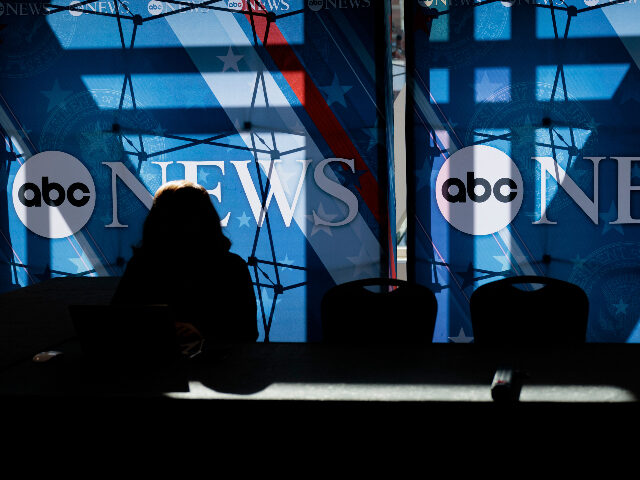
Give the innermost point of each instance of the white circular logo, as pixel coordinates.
(54, 194)
(1, 9)
(75, 13)
(315, 5)
(155, 8)
(235, 4)
(508, 3)
(591, 3)
(479, 190)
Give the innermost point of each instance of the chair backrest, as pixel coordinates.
(351, 313)
(504, 314)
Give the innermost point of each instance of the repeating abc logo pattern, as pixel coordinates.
(54, 194)
(315, 5)
(75, 13)
(479, 190)
(235, 4)
(154, 7)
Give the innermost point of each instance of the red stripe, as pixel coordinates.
(392, 255)
(316, 106)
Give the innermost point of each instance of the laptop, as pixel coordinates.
(132, 334)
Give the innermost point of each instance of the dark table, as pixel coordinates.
(309, 391)
(36, 318)
(317, 390)
(592, 373)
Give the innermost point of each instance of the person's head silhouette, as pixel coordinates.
(184, 262)
(183, 217)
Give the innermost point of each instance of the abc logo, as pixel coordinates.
(75, 13)
(315, 5)
(53, 194)
(235, 4)
(155, 7)
(38, 194)
(479, 190)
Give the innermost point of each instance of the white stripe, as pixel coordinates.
(357, 233)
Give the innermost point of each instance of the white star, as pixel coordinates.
(485, 89)
(204, 177)
(230, 60)
(363, 264)
(504, 261)
(267, 300)
(609, 217)
(461, 338)
(578, 261)
(314, 218)
(621, 307)
(336, 92)
(372, 133)
(159, 131)
(522, 131)
(56, 95)
(80, 265)
(286, 261)
(98, 139)
(244, 220)
(593, 125)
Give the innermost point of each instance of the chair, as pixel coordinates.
(503, 314)
(351, 313)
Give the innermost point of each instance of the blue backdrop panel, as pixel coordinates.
(553, 85)
(281, 109)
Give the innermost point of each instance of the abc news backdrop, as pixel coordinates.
(523, 144)
(282, 103)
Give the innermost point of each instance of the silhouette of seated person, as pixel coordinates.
(184, 262)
